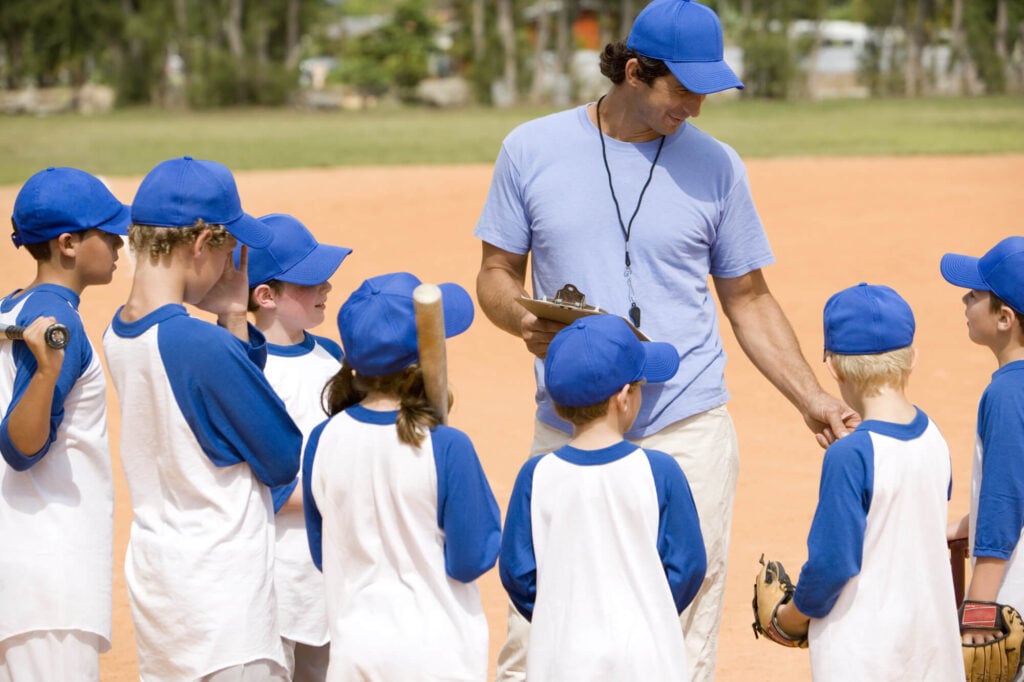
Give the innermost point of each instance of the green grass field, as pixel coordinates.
(130, 142)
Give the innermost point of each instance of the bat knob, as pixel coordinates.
(57, 336)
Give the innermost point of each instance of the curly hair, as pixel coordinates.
(415, 416)
(160, 241)
(616, 55)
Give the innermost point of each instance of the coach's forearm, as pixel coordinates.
(497, 289)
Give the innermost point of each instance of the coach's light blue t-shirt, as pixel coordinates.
(550, 197)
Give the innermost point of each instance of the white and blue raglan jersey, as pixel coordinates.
(401, 533)
(203, 436)
(997, 481)
(57, 506)
(298, 374)
(602, 551)
(878, 561)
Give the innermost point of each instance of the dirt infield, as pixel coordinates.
(832, 223)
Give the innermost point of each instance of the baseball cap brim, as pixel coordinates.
(119, 222)
(661, 361)
(705, 78)
(250, 231)
(318, 266)
(458, 309)
(962, 271)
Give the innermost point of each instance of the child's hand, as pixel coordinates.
(229, 297)
(48, 360)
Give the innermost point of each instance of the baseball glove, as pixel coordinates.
(772, 589)
(998, 660)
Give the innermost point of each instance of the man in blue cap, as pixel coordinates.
(571, 188)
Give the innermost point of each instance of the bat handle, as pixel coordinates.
(56, 335)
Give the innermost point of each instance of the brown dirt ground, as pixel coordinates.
(832, 223)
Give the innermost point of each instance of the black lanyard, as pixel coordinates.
(634, 309)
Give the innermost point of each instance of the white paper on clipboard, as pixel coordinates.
(567, 306)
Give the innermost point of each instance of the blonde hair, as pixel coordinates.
(415, 416)
(578, 416)
(160, 241)
(869, 374)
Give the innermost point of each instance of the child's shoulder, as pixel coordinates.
(327, 344)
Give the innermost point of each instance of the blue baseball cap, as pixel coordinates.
(293, 255)
(594, 357)
(178, 192)
(378, 322)
(1000, 271)
(59, 200)
(687, 36)
(867, 319)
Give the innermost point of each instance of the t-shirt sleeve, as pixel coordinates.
(226, 400)
(504, 221)
(835, 544)
(78, 355)
(466, 509)
(314, 521)
(680, 542)
(517, 563)
(1001, 498)
(741, 245)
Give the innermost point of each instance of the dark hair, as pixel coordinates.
(346, 388)
(995, 303)
(578, 416)
(615, 56)
(40, 251)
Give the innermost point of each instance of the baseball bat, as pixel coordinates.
(430, 338)
(56, 335)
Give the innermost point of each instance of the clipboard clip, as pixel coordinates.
(569, 295)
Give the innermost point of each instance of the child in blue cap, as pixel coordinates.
(288, 287)
(994, 306)
(602, 548)
(203, 435)
(877, 559)
(56, 490)
(399, 514)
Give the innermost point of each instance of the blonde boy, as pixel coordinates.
(877, 558)
(203, 435)
(602, 548)
(56, 491)
(994, 306)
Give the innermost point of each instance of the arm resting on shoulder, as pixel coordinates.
(767, 338)
(502, 279)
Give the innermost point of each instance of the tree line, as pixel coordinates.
(210, 53)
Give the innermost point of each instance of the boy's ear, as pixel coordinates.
(622, 398)
(201, 239)
(913, 358)
(832, 369)
(1006, 318)
(263, 296)
(67, 244)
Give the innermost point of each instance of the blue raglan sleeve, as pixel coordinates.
(231, 408)
(77, 356)
(1001, 498)
(680, 542)
(330, 346)
(314, 522)
(517, 563)
(835, 544)
(466, 509)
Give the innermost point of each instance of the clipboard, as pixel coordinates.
(568, 305)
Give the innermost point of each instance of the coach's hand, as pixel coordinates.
(829, 418)
(538, 333)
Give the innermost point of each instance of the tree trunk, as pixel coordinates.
(537, 84)
(507, 32)
(912, 81)
(292, 28)
(961, 55)
(478, 24)
(232, 24)
(627, 15)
